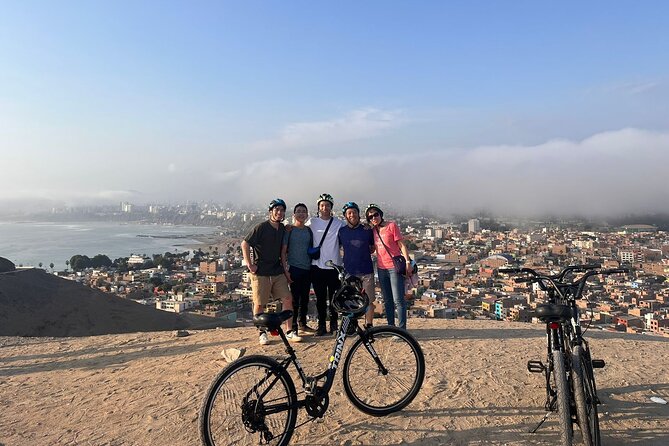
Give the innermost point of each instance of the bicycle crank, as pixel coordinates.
(316, 405)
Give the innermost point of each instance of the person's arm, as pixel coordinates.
(284, 261)
(372, 245)
(246, 253)
(405, 253)
(403, 248)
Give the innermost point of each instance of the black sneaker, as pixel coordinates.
(306, 329)
(320, 331)
(333, 328)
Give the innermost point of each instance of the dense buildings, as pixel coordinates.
(458, 276)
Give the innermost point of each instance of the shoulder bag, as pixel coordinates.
(315, 252)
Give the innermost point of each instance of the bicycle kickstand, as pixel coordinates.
(543, 420)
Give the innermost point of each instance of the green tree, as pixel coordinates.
(40, 264)
(80, 262)
(67, 265)
(51, 265)
(101, 260)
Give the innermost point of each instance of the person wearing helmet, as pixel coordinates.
(267, 273)
(357, 243)
(297, 264)
(324, 279)
(389, 243)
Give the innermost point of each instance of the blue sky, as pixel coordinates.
(401, 102)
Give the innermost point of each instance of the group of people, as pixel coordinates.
(285, 267)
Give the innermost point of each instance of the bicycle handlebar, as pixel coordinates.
(556, 280)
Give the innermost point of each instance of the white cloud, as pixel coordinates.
(355, 125)
(608, 173)
(630, 88)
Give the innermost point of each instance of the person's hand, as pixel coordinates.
(253, 268)
(409, 268)
(287, 273)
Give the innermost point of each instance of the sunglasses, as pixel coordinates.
(374, 215)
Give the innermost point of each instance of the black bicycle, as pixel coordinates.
(571, 391)
(254, 399)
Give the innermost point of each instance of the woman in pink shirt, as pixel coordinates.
(389, 243)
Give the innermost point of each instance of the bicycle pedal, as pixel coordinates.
(535, 367)
(598, 363)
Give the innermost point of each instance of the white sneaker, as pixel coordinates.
(293, 336)
(264, 340)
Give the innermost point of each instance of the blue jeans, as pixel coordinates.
(392, 289)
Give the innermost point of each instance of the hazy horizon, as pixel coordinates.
(517, 109)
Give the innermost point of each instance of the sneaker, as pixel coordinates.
(306, 329)
(264, 340)
(293, 336)
(320, 332)
(333, 327)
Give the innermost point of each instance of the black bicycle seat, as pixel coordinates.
(553, 312)
(271, 321)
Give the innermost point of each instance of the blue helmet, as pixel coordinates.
(277, 202)
(350, 205)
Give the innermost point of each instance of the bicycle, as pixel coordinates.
(571, 391)
(255, 397)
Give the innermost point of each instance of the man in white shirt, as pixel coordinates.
(325, 281)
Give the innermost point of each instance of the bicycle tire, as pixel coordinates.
(400, 354)
(225, 419)
(563, 407)
(584, 395)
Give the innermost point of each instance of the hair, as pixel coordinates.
(300, 205)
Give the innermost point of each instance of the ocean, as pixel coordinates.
(29, 243)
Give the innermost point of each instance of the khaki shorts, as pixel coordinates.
(266, 287)
(368, 286)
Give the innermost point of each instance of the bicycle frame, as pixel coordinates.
(309, 383)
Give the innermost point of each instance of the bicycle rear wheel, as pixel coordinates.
(562, 390)
(377, 393)
(586, 399)
(252, 401)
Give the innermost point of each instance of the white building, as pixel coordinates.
(474, 225)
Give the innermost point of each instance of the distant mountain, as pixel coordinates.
(35, 303)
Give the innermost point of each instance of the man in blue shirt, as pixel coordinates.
(357, 242)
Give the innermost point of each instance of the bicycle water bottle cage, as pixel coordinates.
(553, 312)
(271, 321)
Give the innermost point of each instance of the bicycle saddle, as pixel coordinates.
(553, 312)
(271, 321)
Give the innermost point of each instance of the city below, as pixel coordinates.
(459, 263)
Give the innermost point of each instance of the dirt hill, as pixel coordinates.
(35, 303)
(146, 388)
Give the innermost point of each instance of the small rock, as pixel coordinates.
(232, 354)
(181, 333)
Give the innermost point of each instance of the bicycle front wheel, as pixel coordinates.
(585, 397)
(388, 386)
(562, 390)
(252, 401)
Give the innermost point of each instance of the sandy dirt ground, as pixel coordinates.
(146, 388)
